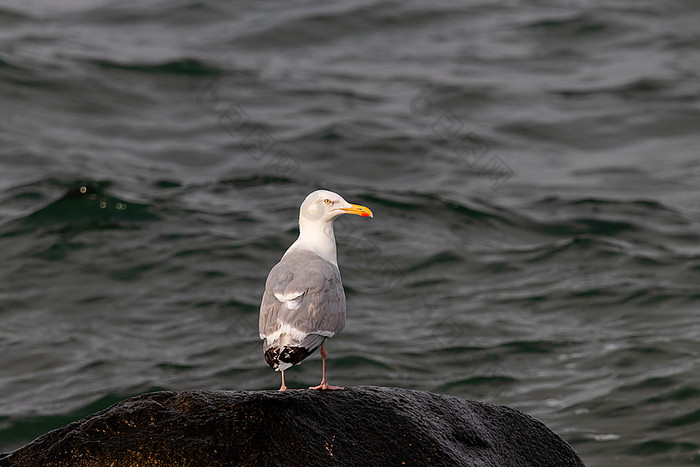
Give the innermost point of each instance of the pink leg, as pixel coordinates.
(324, 385)
(284, 386)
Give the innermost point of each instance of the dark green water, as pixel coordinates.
(533, 169)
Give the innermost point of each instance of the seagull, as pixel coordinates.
(304, 302)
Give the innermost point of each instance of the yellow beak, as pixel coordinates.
(359, 210)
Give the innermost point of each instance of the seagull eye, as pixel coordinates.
(327, 201)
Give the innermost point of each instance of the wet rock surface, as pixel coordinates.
(356, 426)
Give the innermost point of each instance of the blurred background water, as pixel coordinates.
(533, 168)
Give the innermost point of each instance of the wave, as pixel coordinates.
(173, 12)
(83, 206)
(10, 16)
(676, 394)
(183, 66)
(576, 26)
(491, 382)
(690, 418)
(635, 88)
(613, 225)
(337, 23)
(7, 65)
(661, 446)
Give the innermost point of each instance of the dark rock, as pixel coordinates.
(357, 426)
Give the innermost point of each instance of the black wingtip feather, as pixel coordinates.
(293, 355)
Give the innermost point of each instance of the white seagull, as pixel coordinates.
(304, 302)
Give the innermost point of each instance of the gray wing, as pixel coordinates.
(303, 303)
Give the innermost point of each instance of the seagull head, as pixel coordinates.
(323, 206)
(316, 216)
